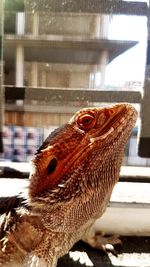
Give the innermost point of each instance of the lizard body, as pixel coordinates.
(70, 185)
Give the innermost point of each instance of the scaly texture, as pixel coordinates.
(73, 175)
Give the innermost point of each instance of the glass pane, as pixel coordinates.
(61, 56)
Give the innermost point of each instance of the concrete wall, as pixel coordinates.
(61, 75)
(72, 24)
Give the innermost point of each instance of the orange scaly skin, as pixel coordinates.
(74, 172)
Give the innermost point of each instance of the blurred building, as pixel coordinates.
(51, 51)
(69, 50)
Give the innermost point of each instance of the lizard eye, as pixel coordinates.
(86, 121)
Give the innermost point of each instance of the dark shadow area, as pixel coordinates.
(11, 7)
(98, 258)
(8, 204)
(9, 172)
(132, 244)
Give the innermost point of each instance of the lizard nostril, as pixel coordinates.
(52, 166)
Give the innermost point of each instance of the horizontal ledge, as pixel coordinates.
(67, 41)
(131, 193)
(124, 192)
(135, 173)
(128, 212)
(85, 6)
(127, 173)
(64, 95)
(62, 49)
(125, 221)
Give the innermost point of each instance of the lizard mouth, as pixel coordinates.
(102, 136)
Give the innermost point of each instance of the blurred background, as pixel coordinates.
(63, 55)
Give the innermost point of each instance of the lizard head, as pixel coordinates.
(76, 153)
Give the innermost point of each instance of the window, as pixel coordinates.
(56, 53)
(57, 56)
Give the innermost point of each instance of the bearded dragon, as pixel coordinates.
(72, 178)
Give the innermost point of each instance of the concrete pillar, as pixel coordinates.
(100, 26)
(19, 65)
(104, 26)
(95, 26)
(103, 64)
(43, 78)
(34, 78)
(20, 23)
(35, 29)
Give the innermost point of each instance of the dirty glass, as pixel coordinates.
(62, 55)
